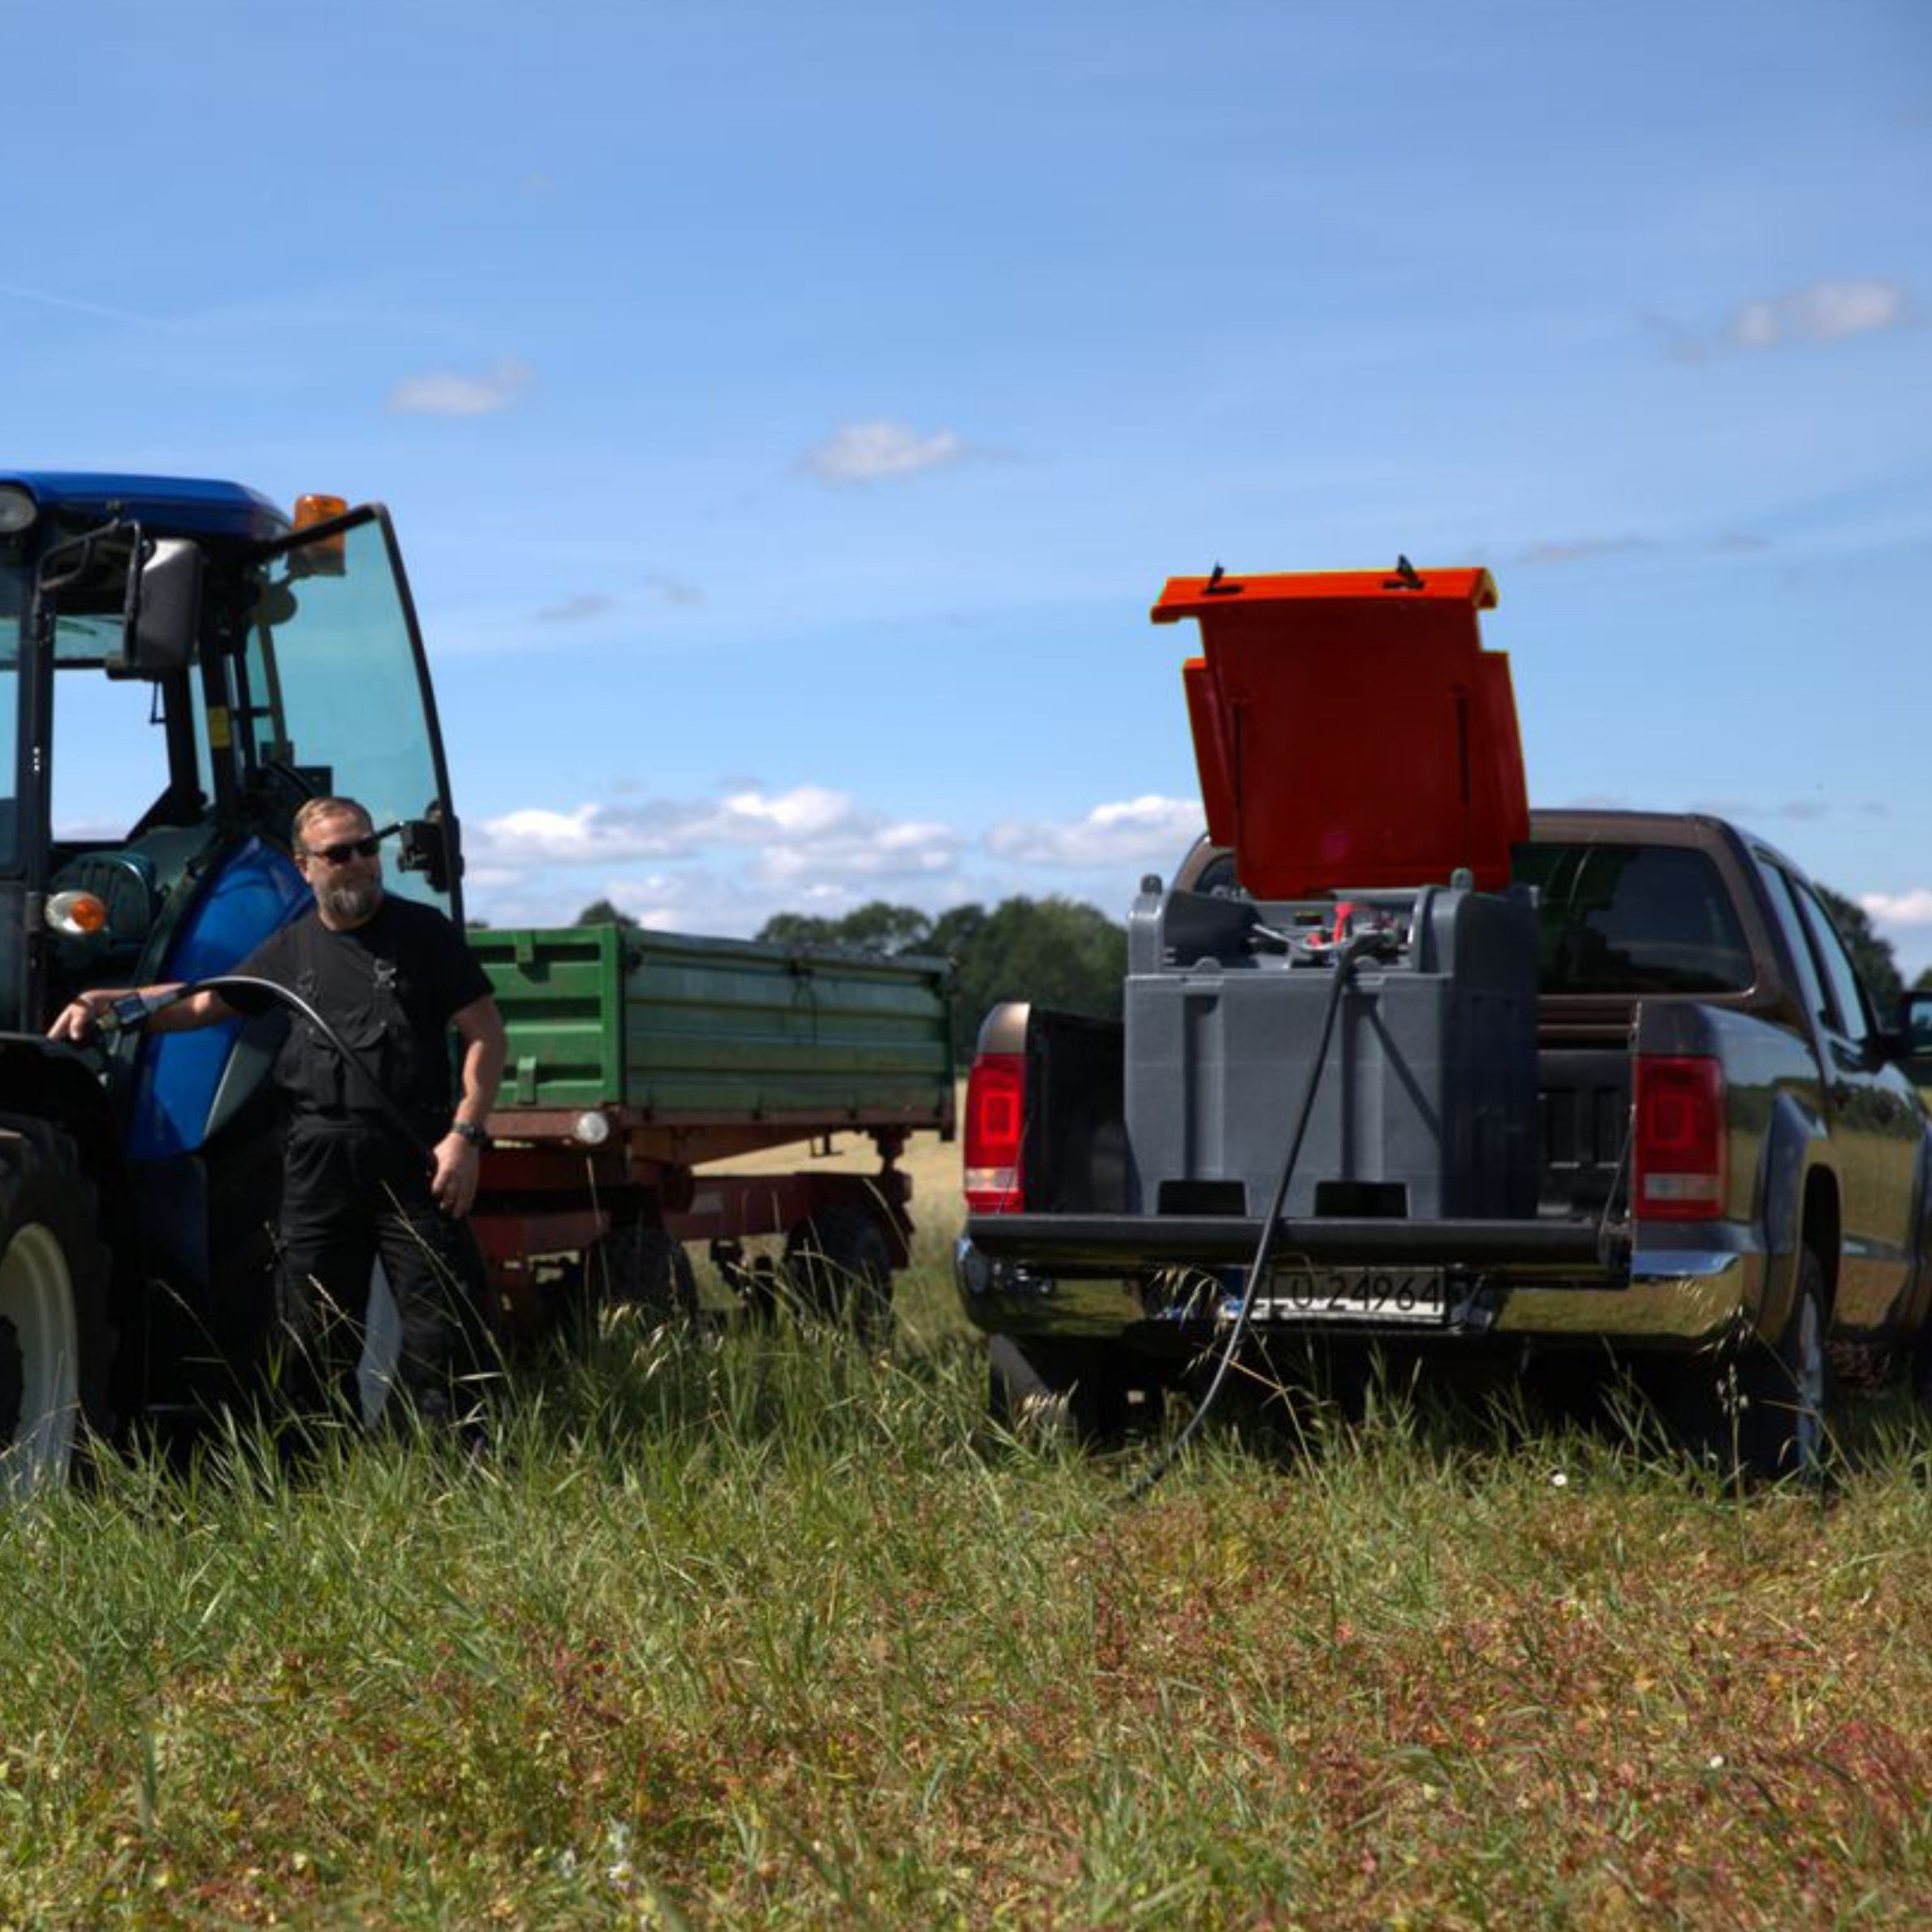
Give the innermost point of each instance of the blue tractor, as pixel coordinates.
(270, 659)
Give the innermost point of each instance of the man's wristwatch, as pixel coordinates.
(476, 1137)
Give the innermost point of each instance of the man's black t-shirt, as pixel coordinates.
(389, 987)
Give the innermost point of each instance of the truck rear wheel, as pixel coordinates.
(1785, 1387)
(1050, 1387)
(55, 1338)
(840, 1266)
(1759, 1410)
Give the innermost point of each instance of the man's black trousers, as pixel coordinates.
(353, 1193)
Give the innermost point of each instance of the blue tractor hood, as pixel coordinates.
(164, 506)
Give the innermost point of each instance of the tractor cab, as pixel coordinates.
(190, 641)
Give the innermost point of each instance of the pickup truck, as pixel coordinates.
(1631, 1102)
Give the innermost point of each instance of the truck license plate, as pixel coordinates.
(1418, 1295)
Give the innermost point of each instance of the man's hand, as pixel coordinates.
(455, 1182)
(75, 1022)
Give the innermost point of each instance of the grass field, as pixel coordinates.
(760, 1633)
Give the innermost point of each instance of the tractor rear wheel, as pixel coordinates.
(55, 1338)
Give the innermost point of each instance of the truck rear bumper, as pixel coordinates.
(1091, 1243)
(1099, 1276)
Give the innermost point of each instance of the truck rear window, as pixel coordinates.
(1633, 919)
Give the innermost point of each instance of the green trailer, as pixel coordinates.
(639, 1059)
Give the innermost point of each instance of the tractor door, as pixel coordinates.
(333, 696)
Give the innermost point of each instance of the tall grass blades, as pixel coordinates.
(771, 1628)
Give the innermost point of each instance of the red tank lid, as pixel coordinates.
(1350, 729)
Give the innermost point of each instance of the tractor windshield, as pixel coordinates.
(335, 695)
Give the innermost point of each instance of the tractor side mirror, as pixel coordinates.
(163, 616)
(431, 846)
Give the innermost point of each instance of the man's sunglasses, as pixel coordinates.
(349, 849)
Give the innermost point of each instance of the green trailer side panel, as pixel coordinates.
(721, 1029)
(559, 995)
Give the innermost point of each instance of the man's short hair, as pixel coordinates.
(313, 808)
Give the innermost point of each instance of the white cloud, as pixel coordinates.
(1912, 908)
(1820, 312)
(806, 833)
(444, 392)
(876, 852)
(1150, 830)
(809, 810)
(874, 452)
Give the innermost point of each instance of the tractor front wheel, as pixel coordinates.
(55, 1338)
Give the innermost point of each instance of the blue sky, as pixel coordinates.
(790, 413)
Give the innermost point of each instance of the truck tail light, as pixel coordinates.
(995, 1110)
(1678, 1153)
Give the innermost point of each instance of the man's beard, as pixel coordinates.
(352, 904)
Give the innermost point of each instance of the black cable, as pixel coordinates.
(1345, 956)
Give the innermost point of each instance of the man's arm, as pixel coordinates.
(480, 1028)
(77, 1020)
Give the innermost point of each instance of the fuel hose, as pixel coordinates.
(1345, 956)
(136, 1009)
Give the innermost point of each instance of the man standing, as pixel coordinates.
(391, 977)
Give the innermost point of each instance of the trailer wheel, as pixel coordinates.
(55, 1338)
(640, 1265)
(840, 1267)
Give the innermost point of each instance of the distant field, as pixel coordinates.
(932, 1163)
(756, 1631)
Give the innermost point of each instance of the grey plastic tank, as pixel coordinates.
(1426, 1106)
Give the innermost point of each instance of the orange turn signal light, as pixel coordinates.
(76, 913)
